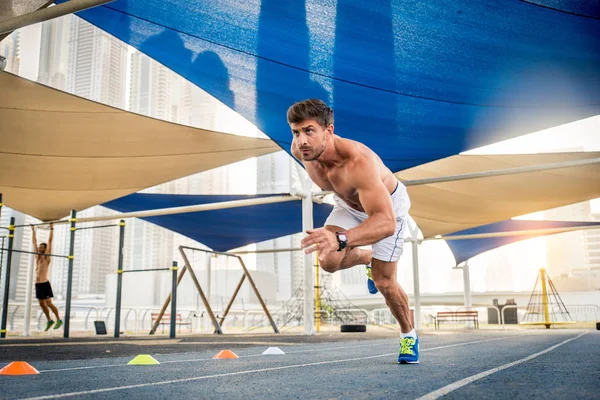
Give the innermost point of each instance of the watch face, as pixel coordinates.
(342, 237)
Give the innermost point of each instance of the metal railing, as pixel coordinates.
(581, 312)
(137, 319)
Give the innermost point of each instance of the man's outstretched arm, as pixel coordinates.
(377, 203)
(50, 239)
(34, 238)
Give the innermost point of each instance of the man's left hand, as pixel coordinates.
(322, 240)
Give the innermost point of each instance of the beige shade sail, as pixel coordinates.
(442, 208)
(60, 152)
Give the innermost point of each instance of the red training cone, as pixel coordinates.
(18, 368)
(225, 354)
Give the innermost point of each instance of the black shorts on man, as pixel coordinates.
(43, 291)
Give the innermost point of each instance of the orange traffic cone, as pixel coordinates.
(225, 354)
(18, 368)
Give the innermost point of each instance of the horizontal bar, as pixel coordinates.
(39, 254)
(266, 251)
(186, 209)
(502, 172)
(38, 224)
(548, 323)
(46, 14)
(98, 226)
(146, 270)
(548, 231)
(201, 207)
(209, 251)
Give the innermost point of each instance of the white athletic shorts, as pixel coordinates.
(388, 249)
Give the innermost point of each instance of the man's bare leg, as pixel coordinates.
(384, 276)
(45, 308)
(53, 308)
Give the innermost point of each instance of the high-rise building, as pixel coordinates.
(10, 48)
(152, 88)
(592, 247)
(196, 107)
(54, 52)
(97, 64)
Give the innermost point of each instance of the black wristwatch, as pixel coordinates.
(342, 239)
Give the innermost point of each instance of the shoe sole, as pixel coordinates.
(408, 362)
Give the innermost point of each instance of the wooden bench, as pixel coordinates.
(166, 320)
(457, 316)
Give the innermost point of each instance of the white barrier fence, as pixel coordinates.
(138, 320)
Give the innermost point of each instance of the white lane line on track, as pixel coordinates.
(252, 371)
(463, 382)
(246, 356)
(205, 359)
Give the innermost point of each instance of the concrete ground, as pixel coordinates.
(556, 363)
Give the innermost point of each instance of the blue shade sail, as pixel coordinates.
(414, 80)
(464, 249)
(227, 229)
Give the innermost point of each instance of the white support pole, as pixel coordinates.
(467, 289)
(209, 257)
(49, 13)
(309, 283)
(503, 172)
(185, 209)
(414, 232)
(28, 295)
(467, 285)
(307, 223)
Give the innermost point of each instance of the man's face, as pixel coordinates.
(310, 138)
(42, 248)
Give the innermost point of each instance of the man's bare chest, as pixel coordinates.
(338, 182)
(43, 262)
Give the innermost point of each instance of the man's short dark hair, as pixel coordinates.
(310, 109)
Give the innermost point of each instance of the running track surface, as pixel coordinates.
(556, 364)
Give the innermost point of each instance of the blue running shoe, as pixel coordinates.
(409, 351)
(370, 283)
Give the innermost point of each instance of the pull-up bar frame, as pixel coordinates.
(187, 266)
(217, 324)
